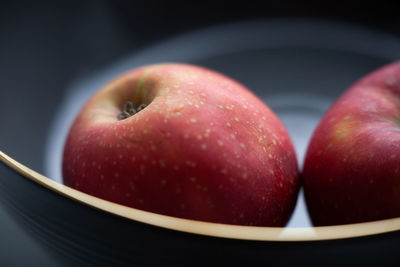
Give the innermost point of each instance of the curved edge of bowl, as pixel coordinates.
(279, 234)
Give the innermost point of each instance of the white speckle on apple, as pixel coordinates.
(220, 143)
(191, 163)
(203, 146)
(101, 177)
(224, 171)
(83, 164)
(237, 119)
(242, 145)
(392, 156)
(244, 176)
(220, 106)
(192, 179)
(113, 187)
(391, 81)
(153, 162)
(228, 124)
(193, 120)
(186, 136)
(163, 182)
(270, 156)
(199, 137)
(153, 147)
(162, 163)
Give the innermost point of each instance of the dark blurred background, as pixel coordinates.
(46, 44)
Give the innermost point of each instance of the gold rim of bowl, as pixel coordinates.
(278, 234)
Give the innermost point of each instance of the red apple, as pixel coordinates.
(202, 147)
(352, 167)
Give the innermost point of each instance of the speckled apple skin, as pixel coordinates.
(204, 148)
(352, 167)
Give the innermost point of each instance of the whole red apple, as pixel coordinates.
(352, 167)
(184, 141)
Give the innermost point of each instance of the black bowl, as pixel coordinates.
(299, 68)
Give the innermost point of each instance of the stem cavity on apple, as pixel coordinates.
(129, 110)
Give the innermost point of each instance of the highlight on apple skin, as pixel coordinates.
(184, 141)
(352, 166)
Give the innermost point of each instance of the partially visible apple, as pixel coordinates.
(201, 147)
(352, 167)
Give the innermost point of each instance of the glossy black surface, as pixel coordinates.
(76, 234)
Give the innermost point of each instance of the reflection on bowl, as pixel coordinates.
(298, 68)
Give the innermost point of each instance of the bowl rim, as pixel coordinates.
(255, 233)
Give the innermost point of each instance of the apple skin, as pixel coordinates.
(204, 148)
(352, 167)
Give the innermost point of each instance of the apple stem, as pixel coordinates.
(129, 110)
